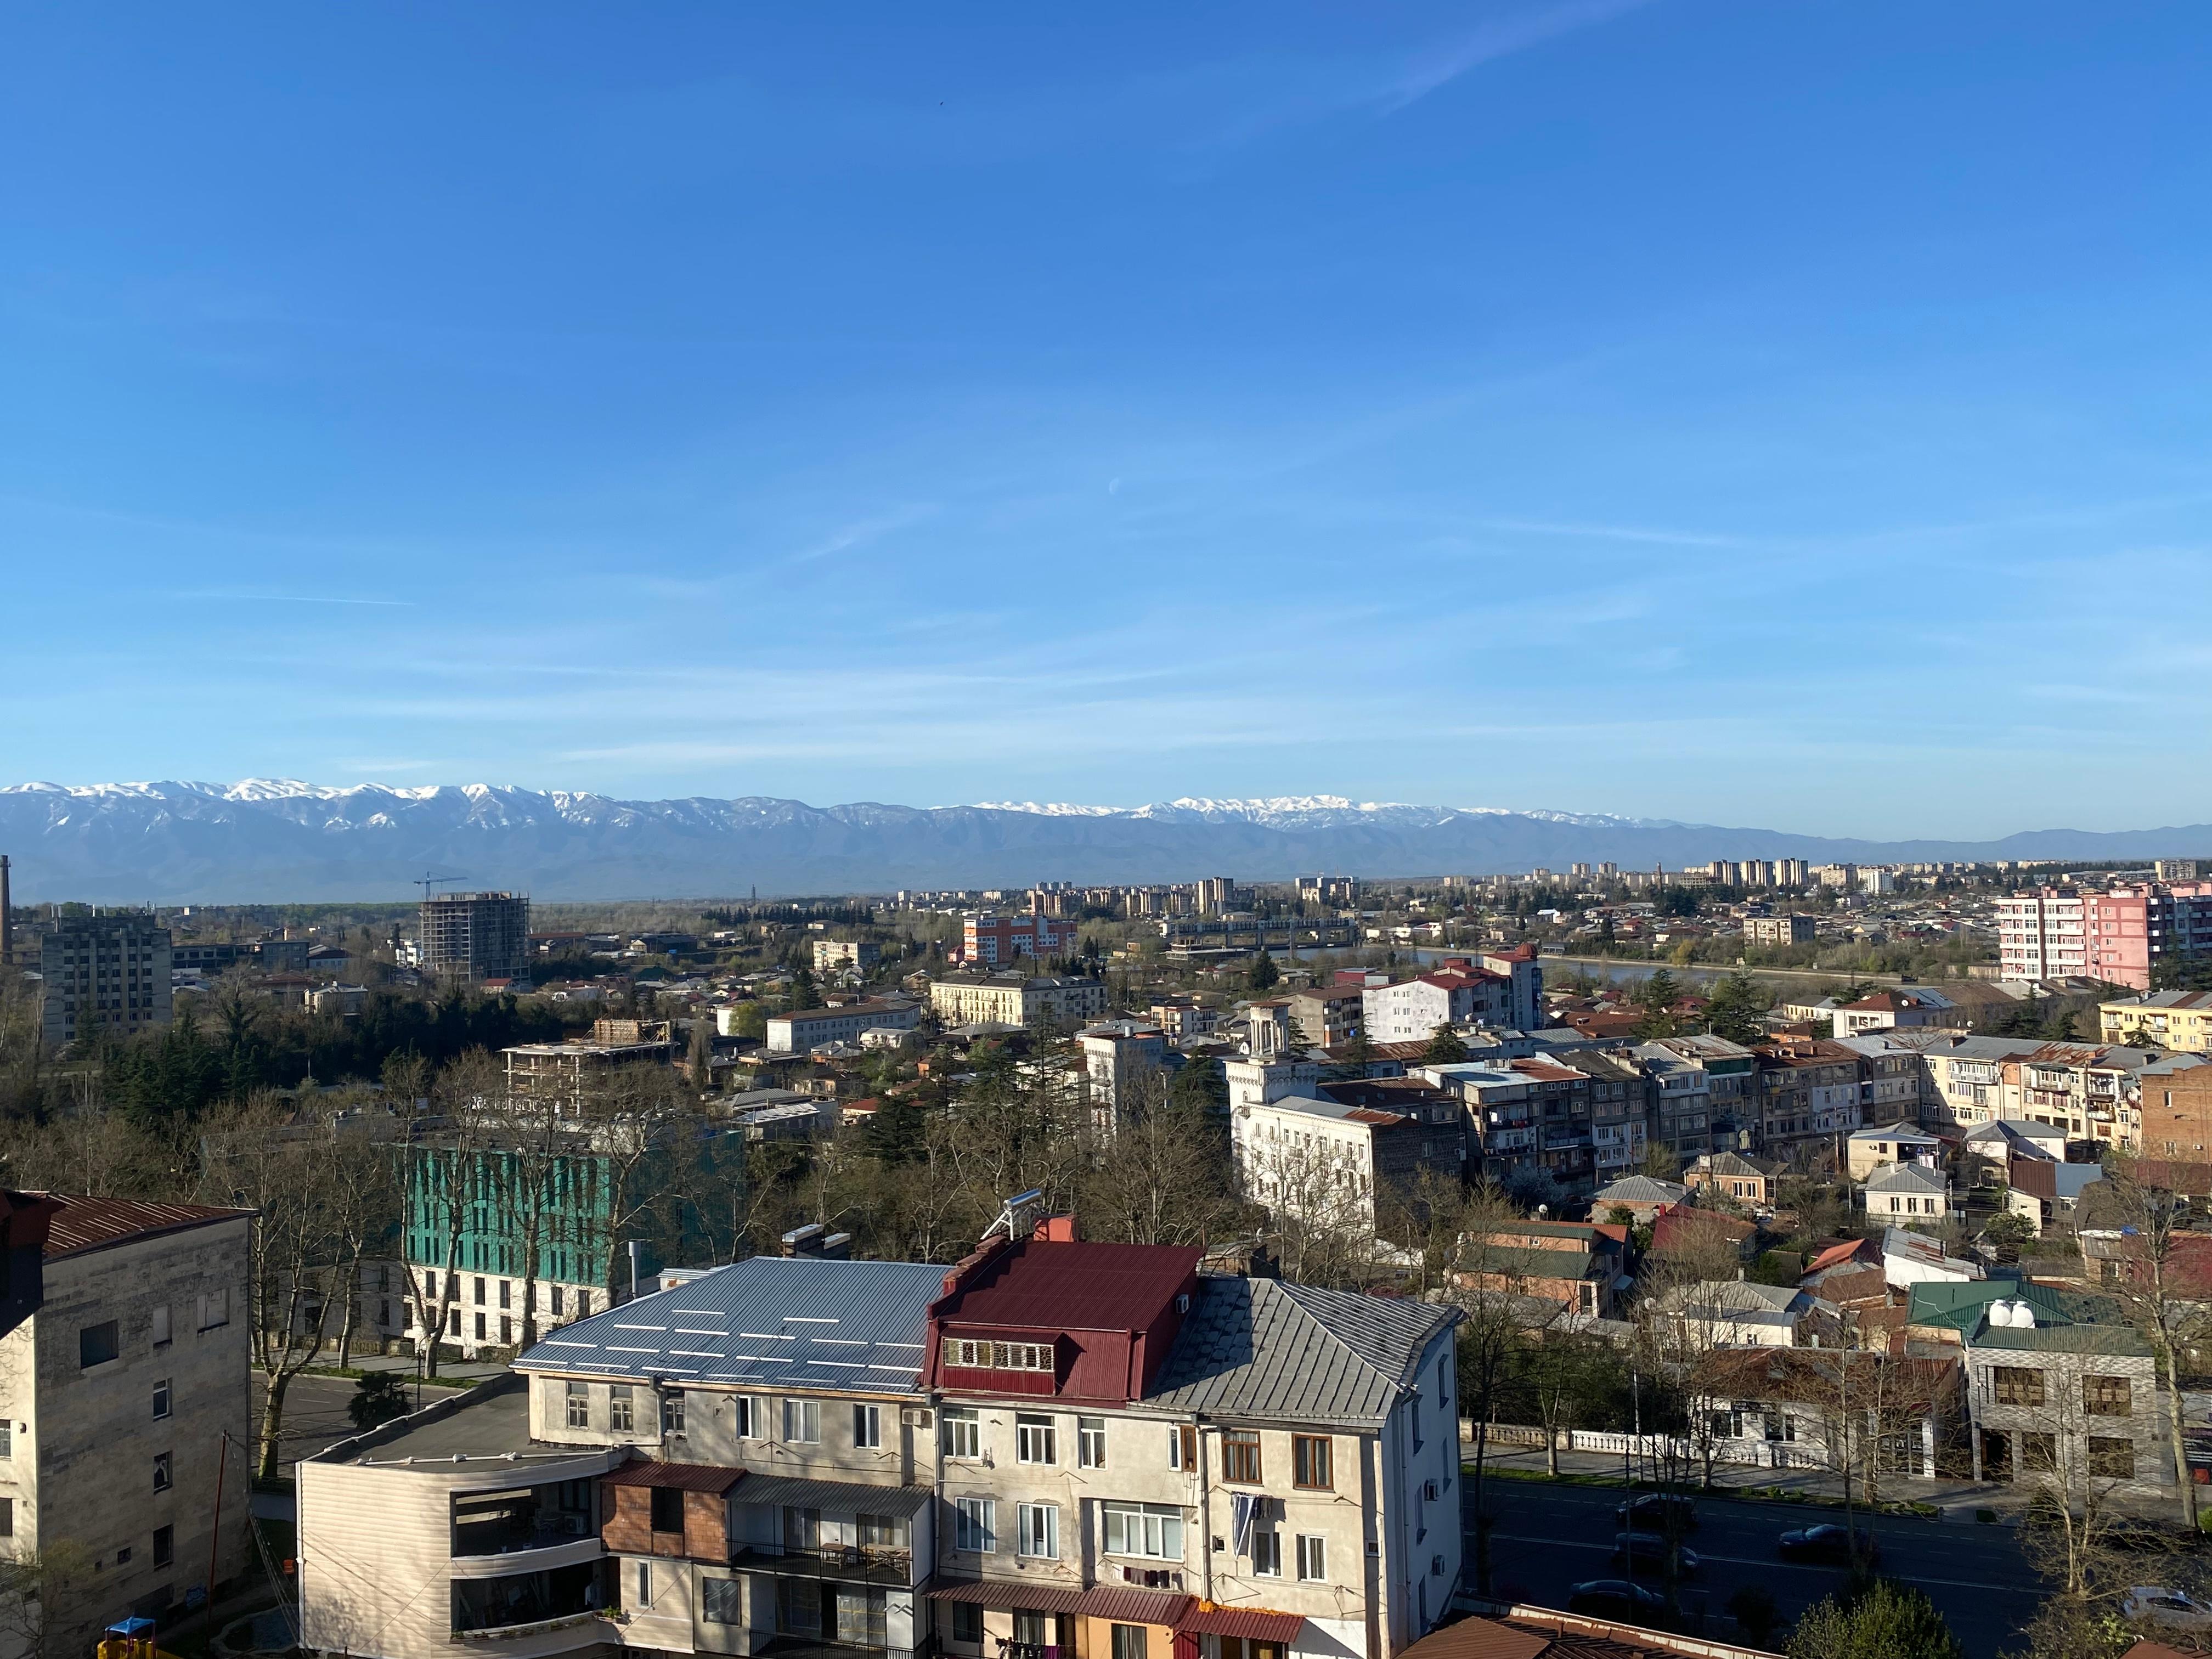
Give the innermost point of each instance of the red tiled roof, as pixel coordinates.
(684, 1477)
(1253, 1624)
(1081, 1286)
(93, 1224)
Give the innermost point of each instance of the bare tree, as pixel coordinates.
(1160, 1176)
(2164, 1280)
(48, 1598)
(443, 1141)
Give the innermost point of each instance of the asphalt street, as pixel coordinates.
(1547, 1538)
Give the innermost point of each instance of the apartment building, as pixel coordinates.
(2177, 1020)
(1346, 1164)
(1329, 1015)
(1053, 1445)
(802, 1031)
(125, 1349)
(1411, 1009)
(1779, 930)
(2118, 934)
(834, 956)
(103, 973)
(567, 1075)
(1714, 1110)
(1533, 1111)
(1118, 1055)
(473, 935)
(1014, 999)
(1809, 1090)
(992, 940)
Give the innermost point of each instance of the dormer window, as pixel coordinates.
(968, 1354)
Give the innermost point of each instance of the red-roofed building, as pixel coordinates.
(124, 1334)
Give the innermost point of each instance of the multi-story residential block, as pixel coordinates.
(1886, 1011)
(834, 954)
(1779, 930)
(1217, 893)
(2177, 1108)
(2178, 1020)
(801, 1032)
(103, 973)
(1118, 1056)
(1089, 1449)
(1014, 999)
(1533, 1111)
(2043, 935)
(1620, 1113)
(2131, 929)
(1261, 1082)
(2059, 1387)
(566, 1074)
(125, 1351)
(991, 940)
(1329, 1015)
(1349, 1164)
(473, 935)
(1809, 1090)
(1183, 1019)
(1716, 1110)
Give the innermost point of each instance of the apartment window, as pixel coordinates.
(2014, 1385)
(506, 1329)
(963, 1432)
(1037, 1532)
(161, 1400)
(1147, 1529)
(1090, 1442)
(580, 1405)
(721, 1602)
(968, 1622)
(880, 1532)
(507, 1293)
(867, 1426)
(645, 1583)
(1034, 1440)
(98, 1344)
(1266, 1552)
(802, 1422)
(480, 1328)
(480, 1291)
(161, 1471)
(1313, 1557)
(1311, 1464)
(2038, 1453)
(2111, 1458)
(976, 1525)
(1130, 1642)
(667, 1509)
(559, 1295)
(454, 1328)
(1240, 1456)
(162, 1325)
(621, 1406)
(6, 1517)
(746, 1410)
(2106, 1396)
(165, 1546)
(1183, 1447)
(671, 1412)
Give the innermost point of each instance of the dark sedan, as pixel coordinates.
(1826, 1542)
(1617, 1598)
(1658, 1511)
(1646, 1553)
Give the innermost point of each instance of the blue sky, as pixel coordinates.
(1780, 415)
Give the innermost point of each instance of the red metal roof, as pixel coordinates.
(1032, 1598)
(1254, 1624)
(1077, 1287)
(684, 1477)
(93, 1224)
(1135, 1607)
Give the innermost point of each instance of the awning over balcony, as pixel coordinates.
(1030, 1598)
(844, 1497)
(683, 1476)
(1135, 1607)
(1253, 1624)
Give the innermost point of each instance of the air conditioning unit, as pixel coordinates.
(914, 1416)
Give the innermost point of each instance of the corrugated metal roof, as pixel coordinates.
(1082, 1286)
(1254, 1624)
(92, 1224)
(773, 1321)
(1031, 1598)
(683, 1476)
(1134, 1606)
(1258, 1348)
(845, 1497)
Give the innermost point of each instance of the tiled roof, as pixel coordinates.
(93, 1224)
(770, 1319)
(1258, 1348)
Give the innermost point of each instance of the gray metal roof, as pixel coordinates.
(1258, 1348)
(840, 1496)
(773, 1321)
(1905, 1178)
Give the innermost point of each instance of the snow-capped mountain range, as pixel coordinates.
(268, 840)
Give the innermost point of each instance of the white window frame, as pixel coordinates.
(867, 1426)
(802, 1422)
(1035, 1433)
(963, 1431)
(1090, 1442)
(1036, 1532)
(747, 1414)
(1143, 1530)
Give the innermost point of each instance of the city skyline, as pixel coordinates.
(1702, 412)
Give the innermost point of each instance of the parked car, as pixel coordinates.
(1646, 1551)
(1617, 1598)
(1658, 1511)
(1826, 1542)
(2175, 1609)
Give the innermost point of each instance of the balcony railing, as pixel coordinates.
(866, 1564)
(1009, 1649)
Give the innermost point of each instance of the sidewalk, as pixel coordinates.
(1953, 1500)
(454, 1370)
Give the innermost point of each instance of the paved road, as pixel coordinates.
(1547, 1538)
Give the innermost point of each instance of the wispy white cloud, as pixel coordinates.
(1500, 37)
(862, 532)
(296, 599)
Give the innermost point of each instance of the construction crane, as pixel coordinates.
(430, 882)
